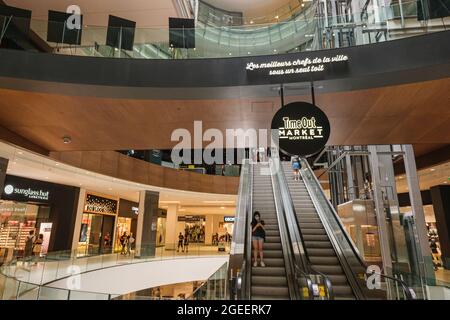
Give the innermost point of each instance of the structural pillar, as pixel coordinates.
(440, 196)
(417, 210)
(3, 168)
(171, 226)
(78, 220)
(147, 223)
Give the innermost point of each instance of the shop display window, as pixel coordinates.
(16, 222)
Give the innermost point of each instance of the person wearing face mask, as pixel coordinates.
(258, 237)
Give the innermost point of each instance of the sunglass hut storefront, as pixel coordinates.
(45, 208)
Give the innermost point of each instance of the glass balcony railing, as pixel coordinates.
(32, 278)
(309, 31)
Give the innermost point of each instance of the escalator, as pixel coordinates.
(319, 248)
(307, 252)
(269, 282)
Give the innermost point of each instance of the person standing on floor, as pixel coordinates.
(123, 239)
(258, 237)
(180, 242)
(29, 242)
(186, 243)
(130, 241)
(37, 247)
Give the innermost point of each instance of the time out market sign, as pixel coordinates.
(300, 128)
(31, 194)
(307, 65)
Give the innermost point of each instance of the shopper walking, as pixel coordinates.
(29, 242)
(186, 243)
(37, 247)
(180, 242)
(258, 237)
(123, 244)
(130, 241)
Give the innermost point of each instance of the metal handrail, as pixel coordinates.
(356, 253)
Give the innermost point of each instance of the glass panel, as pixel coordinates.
(47, 293)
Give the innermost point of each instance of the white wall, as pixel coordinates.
(138, 276)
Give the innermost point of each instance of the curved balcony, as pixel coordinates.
(117, 165)
(312, 28)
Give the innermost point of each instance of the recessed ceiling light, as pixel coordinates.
(20, 152)
(432, 169)
(67, 139)
(57, 164)
(222, 208)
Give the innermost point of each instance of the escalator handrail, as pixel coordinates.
(287, 248)
(248, 235)
(403, 284)
(239, 245)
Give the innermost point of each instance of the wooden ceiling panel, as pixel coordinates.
(413, 113)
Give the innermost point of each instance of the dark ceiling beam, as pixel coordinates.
(430, 159)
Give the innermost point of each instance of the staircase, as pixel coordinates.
(268, 283)
(317, 243)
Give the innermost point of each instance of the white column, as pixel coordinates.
(171, 226)
(140, 221)
(209, 229)
(78, 220)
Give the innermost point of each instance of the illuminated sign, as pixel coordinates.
(300, 128)
(28, 193)
(316, 64)
(96, 204)
(230, 219)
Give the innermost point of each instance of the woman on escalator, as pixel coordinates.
(258, 237)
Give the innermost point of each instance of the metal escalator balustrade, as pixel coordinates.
(348, 256)
(317, 244)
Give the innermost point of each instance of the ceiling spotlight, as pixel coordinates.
(67, 139)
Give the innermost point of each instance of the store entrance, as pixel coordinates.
(96, 235)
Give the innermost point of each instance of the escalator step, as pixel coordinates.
(320, 252)
(315, 237)
(329, 270)
(307, 231)
(318, 244)
(272, 246)
(331, 261)
(344, 291)
(338, 279)
(268, 291)
(274, 262)
(268, 271)
(274, 232)
(306, 225)
(273, 253)
(269, 281)
(273, 239)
